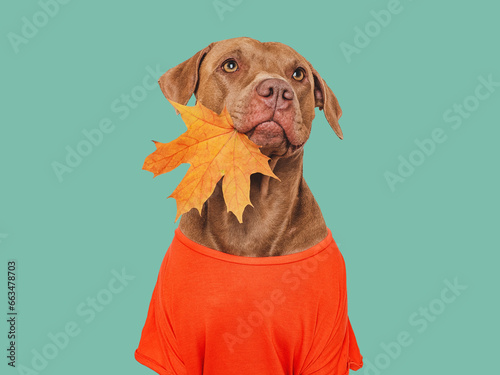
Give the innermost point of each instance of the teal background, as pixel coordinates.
(107, 214)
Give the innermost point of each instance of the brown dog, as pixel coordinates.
(271, 93)
(257, 313)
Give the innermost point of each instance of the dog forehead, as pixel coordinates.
(253, 50)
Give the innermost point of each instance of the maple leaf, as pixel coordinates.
(215, 150)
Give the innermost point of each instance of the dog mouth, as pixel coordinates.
(270, 134)
(267, 133)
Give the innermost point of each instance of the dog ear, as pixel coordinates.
(326, 100)
(180, 82)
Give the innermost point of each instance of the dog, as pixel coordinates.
(271, 93)
(273, 101)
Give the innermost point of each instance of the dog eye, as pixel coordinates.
(230, 66)
(299, 74)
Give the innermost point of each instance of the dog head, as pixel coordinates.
(269, 89)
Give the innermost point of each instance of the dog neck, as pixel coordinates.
(284, 219)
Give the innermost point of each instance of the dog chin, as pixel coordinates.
(267, 133)
(272, 139)
(284, 151)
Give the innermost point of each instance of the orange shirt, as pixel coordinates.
(214, 313)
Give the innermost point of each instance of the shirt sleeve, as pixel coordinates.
(157, 347)
(355, 359)
(338, 359)
(335, 350)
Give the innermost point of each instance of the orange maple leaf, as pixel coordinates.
(214, 149)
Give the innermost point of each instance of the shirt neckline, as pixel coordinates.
(280, 259)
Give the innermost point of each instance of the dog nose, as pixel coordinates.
(275, 92)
